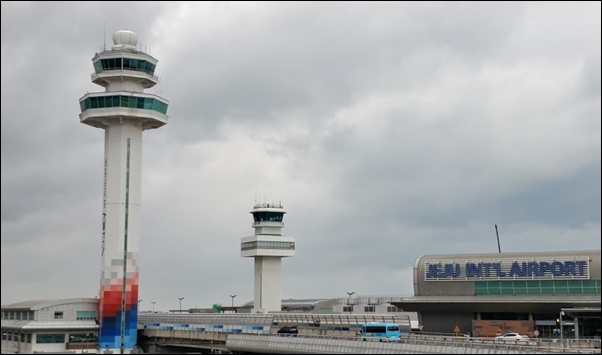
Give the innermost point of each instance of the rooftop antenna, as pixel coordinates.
(499, 249)
(104, 40)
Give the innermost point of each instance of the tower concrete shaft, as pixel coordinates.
(268, 246)
(124, 111)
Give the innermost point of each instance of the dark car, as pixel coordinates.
(288, 331)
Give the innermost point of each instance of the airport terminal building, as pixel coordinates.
(487, 294)
(50, 326)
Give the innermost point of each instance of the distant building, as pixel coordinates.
(352, 305)
(50, 326)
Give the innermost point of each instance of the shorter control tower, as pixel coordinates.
(268, 246)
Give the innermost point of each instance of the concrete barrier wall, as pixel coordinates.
(301, 345)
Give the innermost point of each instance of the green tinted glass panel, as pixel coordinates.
(86, 315)
(124, 101)
(50, 338)
(124, 63)
(532, 287)
(575, 287)
(533, 284)
(481, 292)
(561, 288)
(520, 290)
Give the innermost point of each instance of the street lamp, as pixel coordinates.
(561, 331)
(14, 336)
(180, 298)
(153, 302)
(232, 296)
(350, 293)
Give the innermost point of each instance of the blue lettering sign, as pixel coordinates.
(569, 268)
(581, 266)
(450, 270)
(473, 269)
(433, 271)
(516, 270)
(530, 269)
(487, 266)
(544, 267)
(498, 270)
(557, 268)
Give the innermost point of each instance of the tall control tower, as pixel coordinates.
(123, 110)
(268, 246)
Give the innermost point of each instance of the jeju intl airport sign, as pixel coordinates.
(573, 268)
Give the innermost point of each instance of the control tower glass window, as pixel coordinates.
(268, 216)
(124, 63)
(146, 103)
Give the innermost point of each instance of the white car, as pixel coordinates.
(511, 337)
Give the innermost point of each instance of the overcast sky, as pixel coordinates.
(387, 130)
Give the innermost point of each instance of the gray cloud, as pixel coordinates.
(388, 130)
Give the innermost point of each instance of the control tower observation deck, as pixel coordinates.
(268, 246)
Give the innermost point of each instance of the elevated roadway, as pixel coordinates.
(336, 334)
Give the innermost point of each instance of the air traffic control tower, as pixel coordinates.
(123, 111)
(268, 246)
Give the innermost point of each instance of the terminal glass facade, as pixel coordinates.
(538, 287)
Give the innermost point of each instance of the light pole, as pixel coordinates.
(180, 298)
(561, 331)
(13, 336)
(153, 302)
(350, 293)
(232, 296)
(18, 336)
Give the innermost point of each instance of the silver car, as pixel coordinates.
(512, 337)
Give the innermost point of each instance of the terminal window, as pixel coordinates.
(50, 338)
(392, 309)
(536, 287)
(81, 315)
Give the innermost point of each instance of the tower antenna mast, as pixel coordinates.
(499, 249)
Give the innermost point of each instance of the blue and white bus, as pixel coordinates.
(377, 331)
